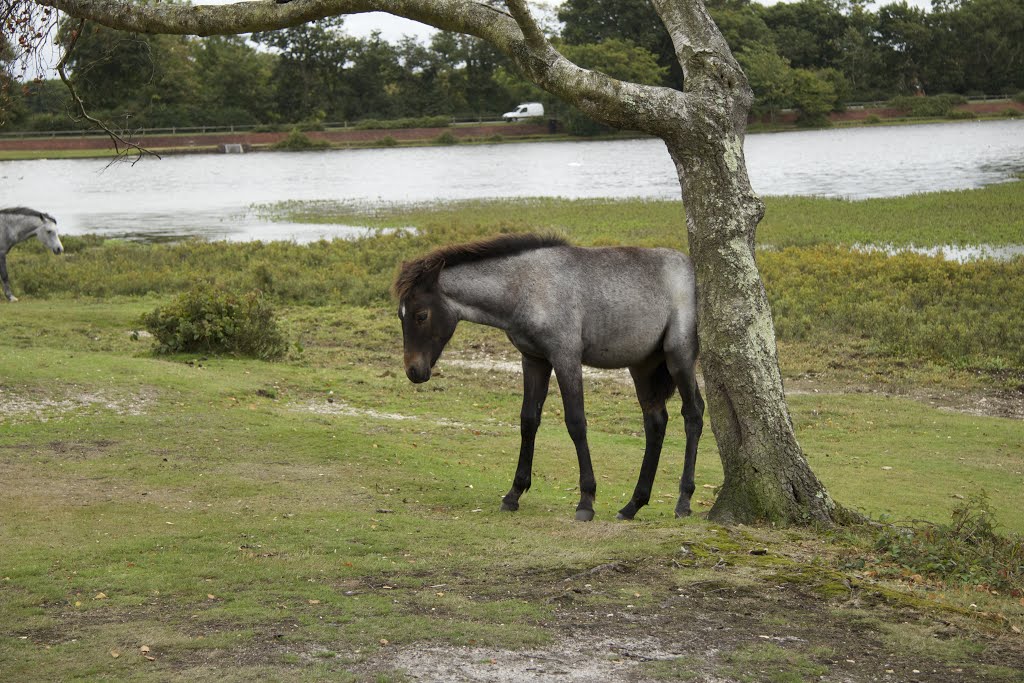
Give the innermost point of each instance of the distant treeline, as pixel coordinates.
(813, 56)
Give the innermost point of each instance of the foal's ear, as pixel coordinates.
(432, 272)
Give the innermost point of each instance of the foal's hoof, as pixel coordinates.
(628, 512)
(509, 507)
(684, 512)
(584, 515)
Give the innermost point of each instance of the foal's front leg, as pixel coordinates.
(570, 382)
(536, 377)
(3, 279)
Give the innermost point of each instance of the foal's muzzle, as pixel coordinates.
(417, 375)
(417, 369)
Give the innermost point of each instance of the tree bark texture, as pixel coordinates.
(767, 477)
(766, 474)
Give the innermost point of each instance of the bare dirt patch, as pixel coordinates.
(715, 631)
(573, 659)
(24, 404)
(337, 407)
(986, 404)
(724, 617)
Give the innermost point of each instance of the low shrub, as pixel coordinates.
(211, 320)
(387, 141)
(873, 119)
(908, 305)
(314, 123)
(297, 141)
(959, 115)
(1012, 113)
(969, 550)
(446, 138)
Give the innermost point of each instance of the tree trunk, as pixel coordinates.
(767, 477)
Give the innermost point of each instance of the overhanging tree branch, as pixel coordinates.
(531, 32)
(703, 53)
(122, 146)
(633, 106)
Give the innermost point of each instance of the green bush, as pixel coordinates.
(1012, 113)
(387, 141)
(958, 115)
(968, 550)
(873, 119)
(209, 320)
(297, 141)
(446, 138)
(309, 126)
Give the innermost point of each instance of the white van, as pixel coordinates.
(524, 111)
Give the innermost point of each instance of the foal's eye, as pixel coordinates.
(422, 316)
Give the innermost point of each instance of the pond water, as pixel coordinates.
(212, 196)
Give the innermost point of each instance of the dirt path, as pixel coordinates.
(733, 628)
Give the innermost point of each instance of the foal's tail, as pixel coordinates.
(662, 385)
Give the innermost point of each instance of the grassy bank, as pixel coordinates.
(320, 518)
(909, 307)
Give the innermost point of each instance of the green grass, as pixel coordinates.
(303, 519)
(911, 307)
(21, 155)
(992, 215)
(772, 664)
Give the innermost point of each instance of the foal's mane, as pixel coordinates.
(425, 267)
(31, 213)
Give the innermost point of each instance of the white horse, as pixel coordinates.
(17, 225)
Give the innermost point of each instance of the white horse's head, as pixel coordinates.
(47, 234)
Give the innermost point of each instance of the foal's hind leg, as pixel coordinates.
(652, 388)
(3, 279)
(693, 417)
(536, 377)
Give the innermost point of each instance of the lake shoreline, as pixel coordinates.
(99, 146)
(223, 195)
